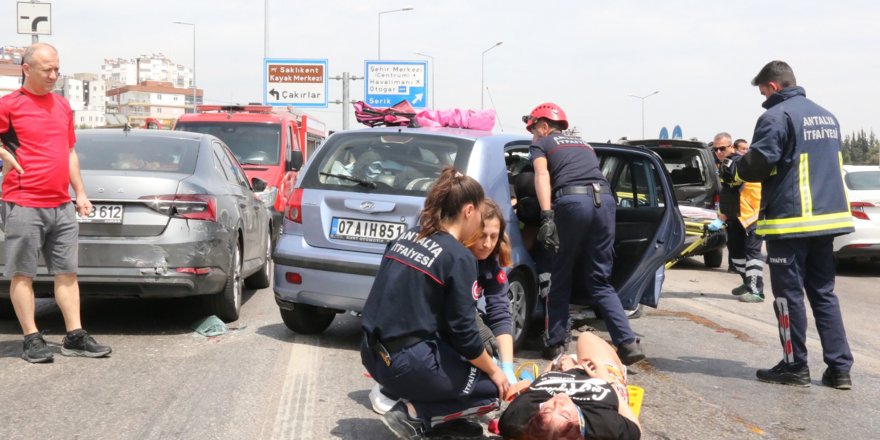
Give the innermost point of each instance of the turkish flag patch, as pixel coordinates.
(501, 277)
(476, 291)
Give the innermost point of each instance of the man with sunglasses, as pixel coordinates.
(37, 134)
(738, 207)
(722, 148)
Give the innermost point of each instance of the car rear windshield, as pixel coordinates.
(134, 153)
(385, 162)
(251, 143)
(863, 180)
(685, 165)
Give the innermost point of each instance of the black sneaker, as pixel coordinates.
(783, 374)
(552, 352)
(79, 343)
(35, 350)
(836, 379)
(397, 419)
(458, 429)
(630, 353)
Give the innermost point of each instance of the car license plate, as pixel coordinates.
(365, 230)
(102, 214)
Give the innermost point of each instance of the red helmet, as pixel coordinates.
(546, 110)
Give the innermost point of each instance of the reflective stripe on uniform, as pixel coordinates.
(813, 223)
(783, 322)
(804, 185)
(842, 173)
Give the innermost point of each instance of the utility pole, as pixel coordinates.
(346, 99)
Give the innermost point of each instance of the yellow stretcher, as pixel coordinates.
(695, 228)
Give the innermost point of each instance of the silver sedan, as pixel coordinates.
(174, 215)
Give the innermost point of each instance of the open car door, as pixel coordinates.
(649, 227)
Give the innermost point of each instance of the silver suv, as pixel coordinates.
(364, 187)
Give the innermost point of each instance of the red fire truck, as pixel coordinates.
(270, 143)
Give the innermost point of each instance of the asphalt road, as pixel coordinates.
(260, 380)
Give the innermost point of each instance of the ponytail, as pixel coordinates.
(446, 198)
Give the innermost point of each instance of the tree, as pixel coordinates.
(861, 148)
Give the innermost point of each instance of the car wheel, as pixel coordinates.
(6, 309)
(306, 319)
(521, 306)
(636, 312)
(261, 279)
(227, 303)
(713, 258)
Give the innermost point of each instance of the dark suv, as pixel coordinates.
(695, 180)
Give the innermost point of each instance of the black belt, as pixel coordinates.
(582, 190)
(394, 345)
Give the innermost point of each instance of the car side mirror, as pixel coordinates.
(296, 161)
(259, 185)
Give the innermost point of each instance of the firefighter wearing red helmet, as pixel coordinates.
(577, 219)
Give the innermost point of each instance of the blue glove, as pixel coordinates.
(507, 368)
(716, 225)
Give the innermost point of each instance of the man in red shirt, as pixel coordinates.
(37, 134)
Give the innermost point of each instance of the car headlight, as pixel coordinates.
(268, 196)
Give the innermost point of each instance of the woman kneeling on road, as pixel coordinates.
(491, 247)
(582, 397)
(421, 341)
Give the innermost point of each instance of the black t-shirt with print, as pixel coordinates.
(595, 397)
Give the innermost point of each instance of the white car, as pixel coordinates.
(863, 188)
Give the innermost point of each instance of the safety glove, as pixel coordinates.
(507, 368)
(547, 234)
(715, 225)
(727, 170)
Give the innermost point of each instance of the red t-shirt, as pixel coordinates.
(40, 132)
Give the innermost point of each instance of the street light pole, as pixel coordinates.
(483, 72)
(380, 25)
(643, 107)
(194, 59)
(433, 96)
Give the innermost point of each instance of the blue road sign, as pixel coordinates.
(388, 82)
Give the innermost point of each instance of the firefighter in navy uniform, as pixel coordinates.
(795, 153)
(577, 219)
(421, 342)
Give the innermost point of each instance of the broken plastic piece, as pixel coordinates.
(210, 326)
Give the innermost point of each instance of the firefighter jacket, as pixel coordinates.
(795, 154)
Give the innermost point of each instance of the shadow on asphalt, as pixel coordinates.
(690, 295)
(700, 365)
(361, 429)
(854, 268)
(343, 334)
(122, 316)
(361, 397)
(696, 263)
(12, 349)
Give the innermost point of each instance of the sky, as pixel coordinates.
(585, 55)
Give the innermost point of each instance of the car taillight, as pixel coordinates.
(715, 201)
(294, 206)
(188, 206)
(858, 209)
